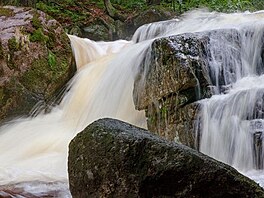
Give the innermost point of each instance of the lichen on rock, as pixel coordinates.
(36, 60)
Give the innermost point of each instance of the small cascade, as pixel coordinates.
(231, 124)
(34, 150)
(231, 120)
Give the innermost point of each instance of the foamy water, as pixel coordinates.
(35, 149)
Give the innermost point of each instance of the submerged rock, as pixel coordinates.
(176, 77)
(35, 60)
(111, 158)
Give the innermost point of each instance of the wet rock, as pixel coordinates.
(153, 14)
(35, 60)
(111, 158)
(125, 30)
(176, 76)
(97, 32)
(257, 130)
(176, 64)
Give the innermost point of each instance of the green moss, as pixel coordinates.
(52, 61)
(51, 39)
(31, 79)
(38, 36)
(164, 112)
(50, 70)
(13, 45)
(36, 21)
(6, 12)
(64, 12)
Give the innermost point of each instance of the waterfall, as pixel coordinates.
(35, 149)
(231, 121)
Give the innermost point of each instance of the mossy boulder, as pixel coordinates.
(111, 158)
(89, 19)
(36, 60)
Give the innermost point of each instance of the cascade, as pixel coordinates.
(35, 149)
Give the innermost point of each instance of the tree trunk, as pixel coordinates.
(153, 2)
(112, 12)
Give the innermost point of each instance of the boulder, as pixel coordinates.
(125, 30)
(36, 60)
(111, 158)
(177, 75)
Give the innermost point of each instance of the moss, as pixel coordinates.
(36, 21)
(38, 36)
(31, 79)
(164, 112)
(52, 39)
(51, 70)
(6, 12)
(52, 60)
(13, 45)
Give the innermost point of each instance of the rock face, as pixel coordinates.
(177, 76)
(125, 30)
(111, 158)
(90, 20)
(35, 60)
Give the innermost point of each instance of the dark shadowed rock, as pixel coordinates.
(111, 158)
(125, 30)
(35, 60)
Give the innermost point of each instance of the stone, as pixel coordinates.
(111, 158)
(126, 30)
(36, 60)
(178, 75)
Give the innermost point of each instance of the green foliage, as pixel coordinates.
(35, 21)
(216, 5)
(257, 5)
(38, 36)
(6, 12)
(139, 4)
(181, 6)
(52, 60)
(49, 9)
(13, 45)
(62, 11)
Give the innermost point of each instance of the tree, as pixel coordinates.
(153, 2)
(112, 12)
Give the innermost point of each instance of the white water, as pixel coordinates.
(35, 149)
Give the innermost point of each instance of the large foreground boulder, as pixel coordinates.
(111, 158)
(35, 59)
